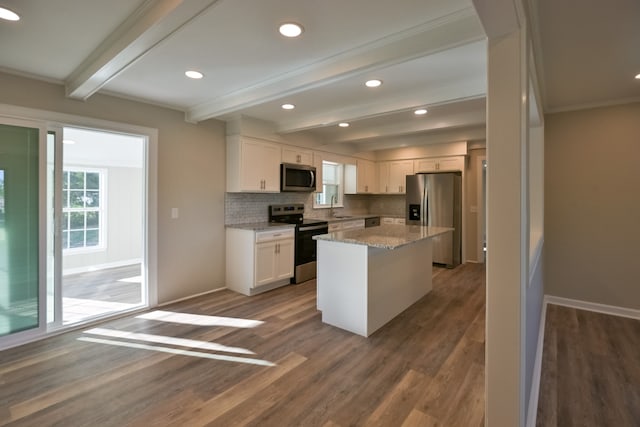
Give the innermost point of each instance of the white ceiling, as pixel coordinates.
(428, 53)
(590, 52)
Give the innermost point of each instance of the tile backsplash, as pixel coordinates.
(254, 207)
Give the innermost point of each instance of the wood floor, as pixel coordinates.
(590, 370)
(424, 368)
(105, 285)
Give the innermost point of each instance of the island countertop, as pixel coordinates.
(385, 236)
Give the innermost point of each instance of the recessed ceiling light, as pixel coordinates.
(68, 141)
(288, 106)
(192, 74)
(343, 125)
(638, 76)
(8, 15)
(420, 111)
(373, 83)
(290, 29)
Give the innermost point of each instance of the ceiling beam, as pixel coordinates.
(444, 33)
(468, 133)
(150, 24)
(472, 88)
(453, 120)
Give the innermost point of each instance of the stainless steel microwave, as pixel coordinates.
(294, 177)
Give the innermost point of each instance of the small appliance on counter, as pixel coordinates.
(305, 246)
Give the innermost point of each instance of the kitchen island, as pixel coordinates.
(367, 277)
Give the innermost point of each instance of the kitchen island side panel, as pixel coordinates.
(397, 279)
(342, 285)
(361, 288)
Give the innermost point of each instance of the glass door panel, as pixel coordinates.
(19, 229)
(102, 224)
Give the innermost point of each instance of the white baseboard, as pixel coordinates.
(537, 371)
(537, 367)
(592, 306)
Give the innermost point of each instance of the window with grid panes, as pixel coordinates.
(82, 208)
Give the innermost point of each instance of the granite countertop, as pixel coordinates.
(385, 236)
(260, 226)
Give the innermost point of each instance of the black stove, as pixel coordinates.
(291, 214)
(305, 248)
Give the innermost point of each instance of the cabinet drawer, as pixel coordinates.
(266, 236)
(350, 225)
(335, 226)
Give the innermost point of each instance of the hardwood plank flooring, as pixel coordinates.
(424, 368)
(105, 285)
(590, 370)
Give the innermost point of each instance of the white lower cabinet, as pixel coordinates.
(353, 224)
(273, 261)
(392, 220)
(258, 261)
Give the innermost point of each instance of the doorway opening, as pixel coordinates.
(102, 223)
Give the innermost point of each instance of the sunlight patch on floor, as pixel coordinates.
(199, 319)
(163, 339)
(221, 357)
(79, 309)
(134, 279)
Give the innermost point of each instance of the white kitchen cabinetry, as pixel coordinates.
(253, 165)
(391, 176)
(352, 224)
(440, 164)
(258, 261)
(390, 221)
(297, 155)
(360, 178)
(317, 162)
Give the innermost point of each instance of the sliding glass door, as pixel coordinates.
(73, 226)
(21, 290)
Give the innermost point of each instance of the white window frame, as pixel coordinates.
(340, 183)
(102, 210)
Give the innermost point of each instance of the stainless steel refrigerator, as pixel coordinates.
(435, 199)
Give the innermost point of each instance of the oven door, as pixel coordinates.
(305, 258)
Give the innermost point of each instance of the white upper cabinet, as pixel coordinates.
(391, 176)
(253, 165)
(297, 155)
(439, 164)
(360, 178)
(317, 162)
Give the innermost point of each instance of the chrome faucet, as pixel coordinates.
(334, 199)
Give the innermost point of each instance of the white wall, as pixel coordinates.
(592, 205)
(123, 223)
